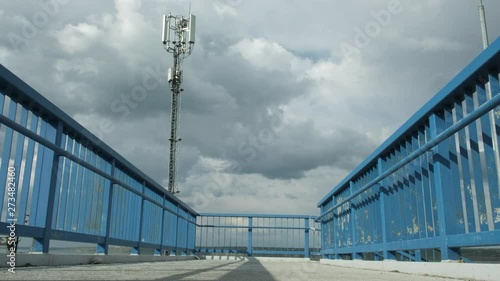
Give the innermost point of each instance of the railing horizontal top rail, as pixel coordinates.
(256, 227)
(226, 215)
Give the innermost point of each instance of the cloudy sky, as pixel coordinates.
(282, 98)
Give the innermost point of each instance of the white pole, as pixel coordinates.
(484, 29)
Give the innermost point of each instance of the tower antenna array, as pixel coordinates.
(178, 39)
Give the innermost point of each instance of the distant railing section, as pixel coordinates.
(71, 186)
(433, 187)
(258, 235)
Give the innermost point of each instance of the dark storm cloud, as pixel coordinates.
(291, 151)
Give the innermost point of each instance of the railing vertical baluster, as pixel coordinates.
(334, 229)
(174, 250)
(472, 143)
(442, 184)
(493, 90)
(45, 241)
(323, 235)
(355, 255)
(104, 247)
(224, 238)
(188, 235)
(27, 171)
(162, 230)
(137, 250)
(306, 238)
(36, 196)
(206, 234)
(249, 247)
(388, 255)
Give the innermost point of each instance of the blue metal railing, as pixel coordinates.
(433, 187)
(71, 186)
(252, 234)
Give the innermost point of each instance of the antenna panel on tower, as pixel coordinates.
(192, 29)
(166, 30)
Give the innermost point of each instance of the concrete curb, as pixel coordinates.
(487, 272)
(61, 260)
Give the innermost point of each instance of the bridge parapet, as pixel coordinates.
(71, 186)
(258, 234)
(433, 187)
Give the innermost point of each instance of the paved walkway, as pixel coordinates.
(209, 270)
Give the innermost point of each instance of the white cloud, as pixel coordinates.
(336, 87)
(80, 66)
(129, 23)
(78, 38)
(233, 193)
(126, 31)
(425, 7)
(4, 53)
(269, 55)
(224, 10)
(430, 44)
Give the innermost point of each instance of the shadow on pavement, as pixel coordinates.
(250, 269)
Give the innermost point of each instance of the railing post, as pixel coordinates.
(185, 251)
(103, 249)
(174, 250)
(162, 242)
(418, 256)
(42, 244)
(334, 223)
(306, 238)
(493, 90)
(388, 255)
(322, 234)
(137, 250)
(442, 183)
(193, 223)
(355, 255)
(322, 250)
(249, 247)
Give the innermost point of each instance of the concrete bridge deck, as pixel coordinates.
(261, 270)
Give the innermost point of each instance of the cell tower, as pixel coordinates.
(484, 29)
(178, 38)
